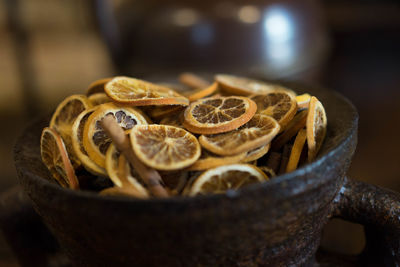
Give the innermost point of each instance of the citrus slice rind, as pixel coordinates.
(218, 114)
(111, 165)
(97, 86)
(98, 99)
(141, 93)
(256, 153)
(296, 150)
(260, 130)
(316, 127)
(55, 158)
(164, 147)
(64, 117)
(127, 177)
(199, 93)
(280, 105)
(209, 160)
(244, 86)
(77, 144)
(227, 177)
(95, 139)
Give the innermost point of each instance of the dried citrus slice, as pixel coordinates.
(95, 139)
(64, 117)
(268, 171)
(55, 157)
(316, 127)
(175, 180)
(255, 154)
(296, 150)
(127, 176)
(111, 165)
(303, 100)
(209, 160)
(174, 120)
(121, 191)
(280, 105)
(98, 99)
(228, 177)
(141, 93)
(164, 147)
(77, 144)
(260, 130)
(159, 112)
(244, 86)
(201, 92)
(218, 114)
(193, 80)
(97, 86)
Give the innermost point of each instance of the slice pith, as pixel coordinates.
(316, 127)
(218, 114)
(55, 157)
(227, 177)
(95, 139)
(142, 93)
(260, 130)
(164, 147)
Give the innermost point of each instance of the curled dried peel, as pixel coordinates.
(164, 147)
(227, 177)
(280, 105)
(95, 139)
(218, 114)
(141, 93)
(316, 127)
(55, 157)
(260, 130)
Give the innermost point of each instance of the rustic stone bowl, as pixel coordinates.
(277, 223)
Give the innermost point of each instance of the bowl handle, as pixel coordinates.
(30, 240)
(378, 209)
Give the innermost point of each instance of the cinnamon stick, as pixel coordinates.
(150, 176)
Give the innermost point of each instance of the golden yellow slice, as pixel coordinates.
(259, 131)
(296, 150)
(316, 127)
(280, 105)
(95, 139)
(209, 160)
(164, 147)
(98, 99)
(142, 93)
(55, 157)
(227, 177)
(255, 154)
(218, 114)
(63, 118)
(77, 144)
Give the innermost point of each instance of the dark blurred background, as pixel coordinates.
(51, 48)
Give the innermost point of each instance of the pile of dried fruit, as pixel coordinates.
(151, 140)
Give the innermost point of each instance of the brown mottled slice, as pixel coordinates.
(63, 118)
(280, 105)
(316, 127)
(137, 92)
(218, 114)
(97, 86)
(259, 131)
(210, 160)
(227, 177)
(164, 147)
(95, 139)
(55, 157)
(244, 86)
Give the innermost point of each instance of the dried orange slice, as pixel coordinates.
(209, 160)
(201, 92)
(193, 80)
(164, 147)
(255, 154)
(260, 130)
(121, 191)
(175, 180)
(316, 127)
(77, 144)
(244, 86)
(97, 86)
(218, 114)
(268, 171)
(280, 105)
(228, 177)
(55, 157)
(303, 100)
(141, 93)
(64, 117)
(174, 120)
(296, 150)
(159, 112)
(98, 99)
(95, 139)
